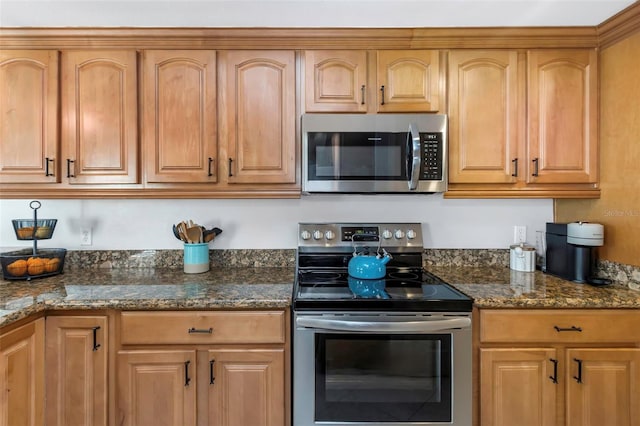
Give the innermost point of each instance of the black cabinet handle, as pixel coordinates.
(578, 378)
(212, 378)
(200, 330)
(210, 173)
(187, 379)
(535, 167)
(382, 95)
(362, 95)
(515, 167)
(554, 378)
(572, 328)
(96, 345)
(47, 160)
(230, 163)
(69, 163)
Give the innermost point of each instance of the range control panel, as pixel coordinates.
(342, 236)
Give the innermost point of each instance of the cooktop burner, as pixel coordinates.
(323, 281)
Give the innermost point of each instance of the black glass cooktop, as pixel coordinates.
(402, 289)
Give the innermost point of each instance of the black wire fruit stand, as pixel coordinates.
(31, 263)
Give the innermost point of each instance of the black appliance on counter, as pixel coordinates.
(393, 351)
(572, 251)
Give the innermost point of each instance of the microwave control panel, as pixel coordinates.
(432, 153)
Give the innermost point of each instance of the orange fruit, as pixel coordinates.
(17, 268)
(35, 266)
(51, 265)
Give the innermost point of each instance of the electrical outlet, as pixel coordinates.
(86, 238)
(519, 234)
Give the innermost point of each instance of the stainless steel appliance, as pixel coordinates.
(394, 351)
(374, 153)
(571, 251)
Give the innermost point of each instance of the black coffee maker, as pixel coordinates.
(572, 251)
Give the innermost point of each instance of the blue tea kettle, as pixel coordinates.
(368, 289)
(369, 267)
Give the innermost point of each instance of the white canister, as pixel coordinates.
(522, 257)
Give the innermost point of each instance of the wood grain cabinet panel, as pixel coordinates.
(29, 150)
(99, 117)
(483, 116)
(563, 115)
(568, 367)
(336, 80)
(516, 388)
(179, 116)
(246, 387)
(408, 80)
(22, 375)
(77, 350)
(258, 117)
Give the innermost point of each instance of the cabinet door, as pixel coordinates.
(99, 117)
(335, 80)
(22, 375)
(179, 123)
(484, 117)
(408, 81)
(516, 387)
(608, 389)
(258, 116)
(563, 114)
(156, 388)
(76, 362)
(29, 111)
(246, 387)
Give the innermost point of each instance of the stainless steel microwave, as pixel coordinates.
(374, 153)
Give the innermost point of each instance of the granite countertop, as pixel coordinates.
(147, 288)
(270, 288)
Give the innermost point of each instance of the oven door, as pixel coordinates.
(382, 369)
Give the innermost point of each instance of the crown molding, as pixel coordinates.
(619, 26)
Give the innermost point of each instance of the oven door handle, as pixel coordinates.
(413, 145)
(384, 327)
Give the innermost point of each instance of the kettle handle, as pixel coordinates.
(355, 247)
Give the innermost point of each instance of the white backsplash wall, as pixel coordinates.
(272, 224)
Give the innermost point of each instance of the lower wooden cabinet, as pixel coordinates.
(559, 367)
(202, 368)
(22, 375)
(77, 349)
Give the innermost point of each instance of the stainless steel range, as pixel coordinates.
(389, 351)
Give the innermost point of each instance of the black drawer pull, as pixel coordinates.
(230, 165)
(193, 330)
(362, 95)
(96, 345)
(69, 163)
(572, 328)
(382, 95)
(210, 173)
(515, 167)
(535, 167)
(554, 378)
(578, 378)
(46, 166)
(212, 378)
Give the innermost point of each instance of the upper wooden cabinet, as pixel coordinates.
(99, 117)
(523, 124)
(376, 81)
(179, 116)
(563, 116)
(29, 110)
(258, 117)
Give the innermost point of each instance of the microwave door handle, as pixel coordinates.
(413, 139)
(384, 327)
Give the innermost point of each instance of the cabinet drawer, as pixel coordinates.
(559, 326)
(193, 327)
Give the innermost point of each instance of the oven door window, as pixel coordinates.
(357, 156)
(383, 378)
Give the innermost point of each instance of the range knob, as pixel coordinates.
(329, 235)
(317, 235)
(305, 235)
(386, 234)
(399, 234)
(411, 234)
